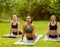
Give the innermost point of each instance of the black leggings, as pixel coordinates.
(15, 33)
(29, 38)
(55, 36)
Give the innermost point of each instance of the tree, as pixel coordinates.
(38, 9)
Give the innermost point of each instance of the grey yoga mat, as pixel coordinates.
(28, 42)
(51, 39)
(10, 36)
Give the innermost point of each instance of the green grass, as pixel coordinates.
(41, 27)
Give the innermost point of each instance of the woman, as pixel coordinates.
(53, 27)
(15, 26)
(28, 29)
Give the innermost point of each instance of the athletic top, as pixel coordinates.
(28, 30)
(53, 27)
(14, 26)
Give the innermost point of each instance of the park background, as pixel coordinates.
(39, 10)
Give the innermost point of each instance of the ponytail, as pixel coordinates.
(31, 22)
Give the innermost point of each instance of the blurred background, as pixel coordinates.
(38, 9)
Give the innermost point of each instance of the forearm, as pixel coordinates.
(48, 33)
(57, 33)
(33, 36)
(17, 32)
(22, 36)
(10, 31)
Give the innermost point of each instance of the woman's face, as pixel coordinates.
(53, 18)
(28, 19)
(14, 17)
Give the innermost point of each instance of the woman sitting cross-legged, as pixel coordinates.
(53, 28)
(15, 26)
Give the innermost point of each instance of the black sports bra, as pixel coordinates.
(14, 26)
(53, 27)
(28, 30)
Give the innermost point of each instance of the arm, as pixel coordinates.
(10, 28)
(57, 29)
(48, 29)
(18, 28)
(33, 33)
(10, 31)
(23, 33)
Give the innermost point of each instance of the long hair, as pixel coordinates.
(31, 21)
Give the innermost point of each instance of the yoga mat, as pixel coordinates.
(28, 42)
(10, 36)
(51, 39)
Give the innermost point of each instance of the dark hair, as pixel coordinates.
(31, 22)
(31, 19)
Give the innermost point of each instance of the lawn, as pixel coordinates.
(41, 27)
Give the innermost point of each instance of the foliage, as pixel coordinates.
(38, 9)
